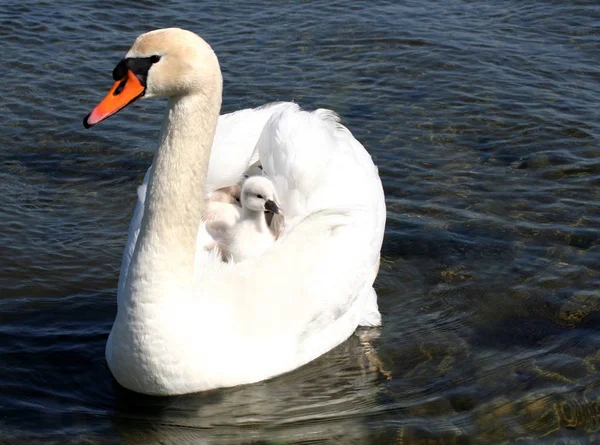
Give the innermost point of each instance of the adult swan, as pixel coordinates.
(187, 321)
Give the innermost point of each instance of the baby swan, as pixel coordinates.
(252, 235)
(222, 208)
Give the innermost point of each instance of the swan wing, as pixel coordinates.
(132, 236)
(234, 146)
(324, 177)
(309, 291)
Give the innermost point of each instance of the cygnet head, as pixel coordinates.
(228, 195)
(169, 62)
(258, 195)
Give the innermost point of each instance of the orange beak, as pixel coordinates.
(125, 91)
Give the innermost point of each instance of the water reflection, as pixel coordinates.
(330, 398)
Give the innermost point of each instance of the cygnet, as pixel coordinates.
(252, 235)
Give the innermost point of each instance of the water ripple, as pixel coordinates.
(483, 120)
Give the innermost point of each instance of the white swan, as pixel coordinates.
(223, 209)
(229, 195)
(188, 322)
(251, 236)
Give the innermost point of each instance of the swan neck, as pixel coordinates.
(175, 196)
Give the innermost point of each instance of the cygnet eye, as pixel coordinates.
(260, 196)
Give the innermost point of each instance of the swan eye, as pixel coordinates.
(260, 196)
(137, 65)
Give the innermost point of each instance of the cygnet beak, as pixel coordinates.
(272, 206)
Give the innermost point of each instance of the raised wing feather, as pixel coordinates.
(312, 286)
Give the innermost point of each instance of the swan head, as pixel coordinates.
(258, 195)
(169, 62)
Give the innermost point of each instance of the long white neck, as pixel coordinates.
(163, 261)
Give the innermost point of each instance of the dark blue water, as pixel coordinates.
(483, 118)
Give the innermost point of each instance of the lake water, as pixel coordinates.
(484, 119)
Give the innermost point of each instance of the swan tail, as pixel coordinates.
(370, 316)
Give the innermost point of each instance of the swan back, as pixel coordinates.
(312, 285)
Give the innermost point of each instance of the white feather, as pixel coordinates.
(231, 324)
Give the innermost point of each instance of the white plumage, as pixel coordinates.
(186, 320)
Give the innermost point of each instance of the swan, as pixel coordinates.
(222, 210)
(252, 235)
(187, 321)
(229, 194)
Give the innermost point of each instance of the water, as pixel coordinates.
(483, 118)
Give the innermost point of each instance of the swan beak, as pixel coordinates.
(272, 206)
(123, 92)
